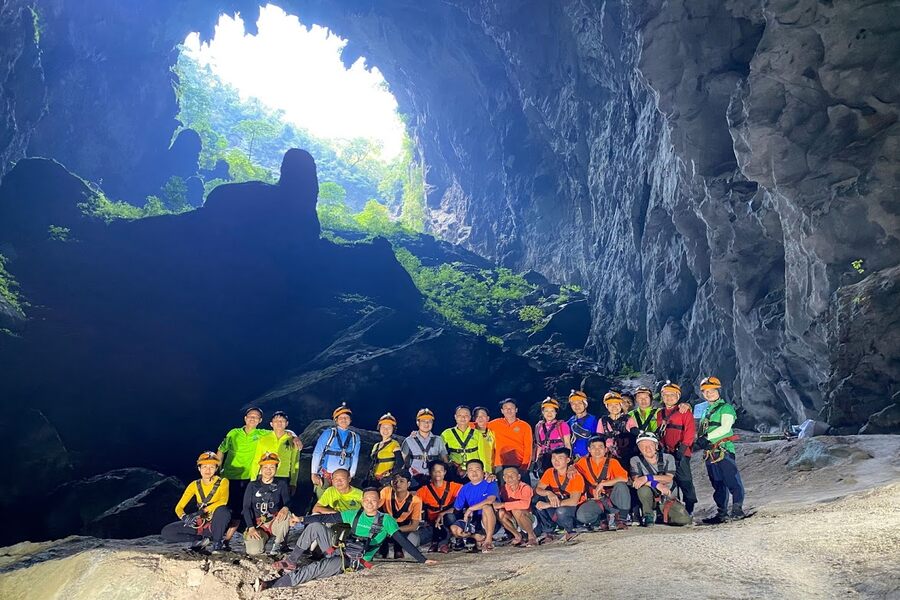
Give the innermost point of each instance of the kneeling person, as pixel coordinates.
(266, 512)
(514, 507)
(606, 487)
(476, 500)
(340, 496)
(209, 522)
(654, 473)
(438, 496)
(368, 529)
(406, 508)
(562, 492)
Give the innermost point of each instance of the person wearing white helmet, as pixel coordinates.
(653, 475)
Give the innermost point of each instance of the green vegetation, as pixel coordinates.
(858, 266)
(566, 292)
(9, 289)
(173, 201)
(36, 24)
(252, 139)
(628, 372)
(534, 315)
(58, 234)
(472, 301)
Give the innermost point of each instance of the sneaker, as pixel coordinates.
(716, 519)
(219, 548)
(611, 523)
(226, 545)
(398, 553)
(737, 512)
(200, 545)
(648, 521)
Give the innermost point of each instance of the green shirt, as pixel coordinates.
(288, 455)
(389, 526)
(335, 500)
(644, 419)
(458, 454)
(717, 423)
(239, 448)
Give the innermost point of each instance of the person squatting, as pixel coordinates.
(480, 481)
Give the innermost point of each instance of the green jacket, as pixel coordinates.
(717, 423)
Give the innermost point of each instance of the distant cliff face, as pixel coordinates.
(710, 171)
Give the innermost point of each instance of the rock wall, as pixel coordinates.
(708, 170)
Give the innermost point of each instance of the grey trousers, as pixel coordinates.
(591, 511)
(320, 535)
(279, 532)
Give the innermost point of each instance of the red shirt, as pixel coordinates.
(677, 429)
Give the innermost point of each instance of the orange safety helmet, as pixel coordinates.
(343, 409)
(425, 413)
(672, 387)
(612, 397)
(387, 418)
(269, 458)
(710, 383)
(208, 458)
(551, 402)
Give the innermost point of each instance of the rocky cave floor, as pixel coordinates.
(827, 526)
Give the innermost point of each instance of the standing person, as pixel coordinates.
(562, 489)
(336, 448)
(608, 499)
(368, 529)
(582, 424)
(236, 454)
(549, 435)
(210, 521)
(387, 459)
(653, 476)
(514, 508)
(717, 440)
(676, 434)
(266, 513)
(512, 438)
(462, 441)
(486, 438)
(476, 502)
(406, 508)
(283, 443)
(438, 497)
(339, 496)
(643, 418)
(614, 428)
(422, 447)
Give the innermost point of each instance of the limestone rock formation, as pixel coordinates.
(709, 171)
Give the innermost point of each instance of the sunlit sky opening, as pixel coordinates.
(299, 70)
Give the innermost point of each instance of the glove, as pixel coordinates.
(703, 443)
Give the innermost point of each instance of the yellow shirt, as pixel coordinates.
(384, 457)
(460, 447)
(220, 498)
(486, 449)
(335, 500)
(288, 454)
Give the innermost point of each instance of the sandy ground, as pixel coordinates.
(827, 526)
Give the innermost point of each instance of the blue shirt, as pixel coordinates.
(336, 449)
(700, 409)
(471, 494)
(583, 430)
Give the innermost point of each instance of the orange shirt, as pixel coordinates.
(404, 512)
(555, 483)
(516, 499)
(435, 504)
(512, 443)
(591, 470)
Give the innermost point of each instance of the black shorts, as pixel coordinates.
(236, 489)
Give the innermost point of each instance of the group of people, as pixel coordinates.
(460, 489)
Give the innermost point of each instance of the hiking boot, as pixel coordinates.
(737, 512)
(648, 521)
(398, 553)
(611, 523)
(717, 519)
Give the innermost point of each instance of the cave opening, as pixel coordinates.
(252, 96)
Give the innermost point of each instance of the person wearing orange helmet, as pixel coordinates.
(266, 513)
(386, 456)
(676, 433)
(422, 447)
(549, 434)
(208, 523)
(582, 424)
(716, 439)
(614, 428)
(337, 448)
